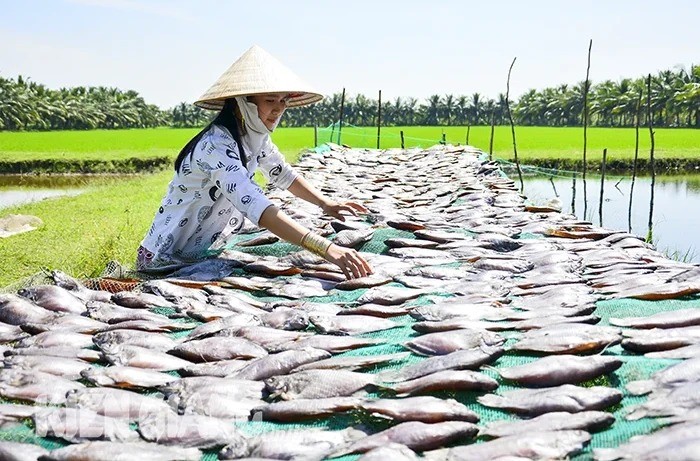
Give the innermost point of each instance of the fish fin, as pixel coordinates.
(606, 454)
(636, 413)
(640, 387)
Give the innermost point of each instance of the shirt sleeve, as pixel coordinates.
(220, 157)
(276, 170)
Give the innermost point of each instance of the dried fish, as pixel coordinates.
(409, 243)
(667, 438)
(16, 310)
(270, 339)
(352, 362)
(390, 295)
(115, 403)
(459, 360)
(67, 322)
(147, 339)
(446, 342)
(561, 369)
(10, 333)
(265, 238)
(448, 380)
(569, 338)
(567, 397)
(416, 436)
(332, 344)
(279, 363)
(537, 445)
(350, 324)
(63, 280)
(668, 378)
(676, 402)
(149, 325)
(111, 313)
(670, 319)
(272, 267)
(88, 355)
(375, 310)
(220, 368)
(59, 366)
(35, 386)
(99, 451)
(17, 451)
(126, 377)
(661, 339)
(425, 409)
(298, 288)
(234, 388)
(136, 300)
(392, 451)
(188, 431)
(589, 421)
(216, 405)
(285, 318)
(53, 298)
(215, 326)
(304, 409)
(352, 238)
(141, 357)
(173, 290)
(56, 338)
(685, 352)
(77, 425)
(247, 283)
(217, 348)
(316, 384)
(368, 281)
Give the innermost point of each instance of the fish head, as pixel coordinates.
(28, 293)
(276, 386)
(299, 321)
(236, 450)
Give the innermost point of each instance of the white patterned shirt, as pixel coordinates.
(208, 199)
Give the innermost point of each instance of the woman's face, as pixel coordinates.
(271, 106)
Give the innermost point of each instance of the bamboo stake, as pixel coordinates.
(315, 135)
(602, 186)
(379, 117)
(636, 156)
(512, 128)
(402, 144)
(650, 234)
(469, 127)
(585, 127)
(493, 122)
(340, 117)
(573, 194)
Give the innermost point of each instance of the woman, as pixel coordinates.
(213, 189)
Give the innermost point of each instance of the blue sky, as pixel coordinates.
(173, 50)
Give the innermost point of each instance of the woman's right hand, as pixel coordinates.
(350, 262)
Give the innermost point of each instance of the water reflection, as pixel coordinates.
(663, 208)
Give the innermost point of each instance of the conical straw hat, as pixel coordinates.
(256, 72)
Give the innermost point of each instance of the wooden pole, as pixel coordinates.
(443, 138)
(636, 156)
(469, 127)
(650, 234)
(602, 186)
(402, 144)
(340, 117)
(512, 127)
(315, 135)
(379, 117)
(493, 122)
(573, 194)
(585, 126)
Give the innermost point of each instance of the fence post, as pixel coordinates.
(402, 145)
(469, 127)
(315, 135)
(602, 185)
(340, 123)
(379, 117)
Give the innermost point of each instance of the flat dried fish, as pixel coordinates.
(666, 438)
(369, 281)
(247, 283)
(99, 451)
(16, 310)
(220, 368)
(53, 298)
(661, 339)
(332, 344)
(448, 310)
(56, 339)
(271, 267)
(390, 295)
(18, 451)
(459, 360)
(265, 238)
(210, 328)
(60, 366)
(425, 409)
(77, 425)
(668, 378)
(375, 310)
(270, 339)
(567, 397)
(10, 333)
(569, 338)
(155, 341)
(188, 431)
(537, 445)
(115, 403)
(298, 288)
(126, 377)
(211, 403)
(111, 313)
(316, 384)
(440, 236)
(450, 341)
(590, 421)
(66, 322)
(350, 324)
(87, 355)
(448, 380)
(352, 238)
(685, 352)
(173, 290)
(392, 451)
(149, 325)
(416, 436)
(217, 348)
(304, 409)
(676, 402)
(137, 300)
(352, 362)
(141, 357)
(279, 364)
(409, 243)
(285, 318)
(561, 369)
(671, 319)
(35, 386)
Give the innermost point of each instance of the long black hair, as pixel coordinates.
(229, 117)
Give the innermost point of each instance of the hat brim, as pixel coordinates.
(296, 99)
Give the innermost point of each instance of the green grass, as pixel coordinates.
(532, 142)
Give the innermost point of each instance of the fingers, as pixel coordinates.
(357, 206)
(357, 265)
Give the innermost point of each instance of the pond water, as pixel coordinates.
(673, 212)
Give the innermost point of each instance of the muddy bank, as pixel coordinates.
(60, 166)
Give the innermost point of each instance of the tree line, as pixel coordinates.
(674, 98)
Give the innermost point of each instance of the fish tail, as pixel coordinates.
(640, 387)
(605, 454)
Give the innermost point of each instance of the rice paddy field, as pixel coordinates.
(532, 142)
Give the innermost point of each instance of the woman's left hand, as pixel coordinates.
(334, 209)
